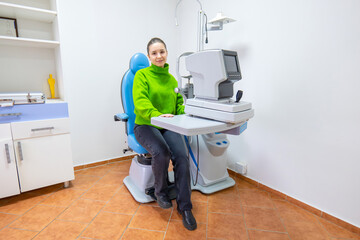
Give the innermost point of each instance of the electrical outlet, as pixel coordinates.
(241, 168)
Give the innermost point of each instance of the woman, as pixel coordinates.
(153, 93)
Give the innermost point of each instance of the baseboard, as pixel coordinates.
(298, 203)
(80, 167)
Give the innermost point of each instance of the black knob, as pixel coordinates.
(239, 95)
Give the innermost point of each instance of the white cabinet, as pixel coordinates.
(33, 153)
(9, 184)
(43, 155)
(27, 60)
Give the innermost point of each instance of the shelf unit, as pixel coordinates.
(30, 58)
(19, 11)
(30, 133)
(28, 42)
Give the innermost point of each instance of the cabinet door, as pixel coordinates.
(44, 161)
(9, 184)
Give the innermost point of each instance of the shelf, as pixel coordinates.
(54, 100)
(10, 10)
(36, 52)
(28, 42)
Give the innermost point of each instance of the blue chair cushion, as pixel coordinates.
(134, 145)
(137, 62)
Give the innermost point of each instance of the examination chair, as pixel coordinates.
(140, 181)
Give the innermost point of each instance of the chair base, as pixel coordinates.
(147, 195)
(141, 180)
(142, 193)
(137, 194)
(171, 190)
(141, 197)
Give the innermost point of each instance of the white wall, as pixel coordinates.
(299, 61)
(98, 39)
(300, 64)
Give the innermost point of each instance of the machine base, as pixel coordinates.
(228, 182)
(222, 116)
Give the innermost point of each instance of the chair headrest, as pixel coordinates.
(138, 61)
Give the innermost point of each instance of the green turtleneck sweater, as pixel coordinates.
(154, 95)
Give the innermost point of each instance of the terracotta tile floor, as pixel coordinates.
(98, 206)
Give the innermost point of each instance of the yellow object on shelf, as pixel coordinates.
(51, 82)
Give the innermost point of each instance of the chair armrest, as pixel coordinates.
(121, 117)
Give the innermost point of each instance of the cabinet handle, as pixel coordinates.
(9, 114)
(42, 129)
(7, 153)
(20, 151)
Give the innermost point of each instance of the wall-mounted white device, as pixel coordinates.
(203, 26)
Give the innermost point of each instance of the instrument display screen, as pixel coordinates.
(231, 63)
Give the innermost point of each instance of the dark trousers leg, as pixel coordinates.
(180, 162)
(152, 140)
(163, 145)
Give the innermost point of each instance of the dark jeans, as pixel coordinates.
(164, 145)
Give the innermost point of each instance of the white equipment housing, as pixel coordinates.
(212, 173)
(224, 111)
(214, 73)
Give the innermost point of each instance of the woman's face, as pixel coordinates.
(157, 54)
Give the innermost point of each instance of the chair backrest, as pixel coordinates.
(137, 62)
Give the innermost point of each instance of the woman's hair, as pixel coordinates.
(155, 40)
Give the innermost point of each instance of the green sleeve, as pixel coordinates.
(180, 105)
(143, 106)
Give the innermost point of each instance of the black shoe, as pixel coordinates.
(163, 201)
(188, 219)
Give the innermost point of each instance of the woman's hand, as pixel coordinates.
(167, 115)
